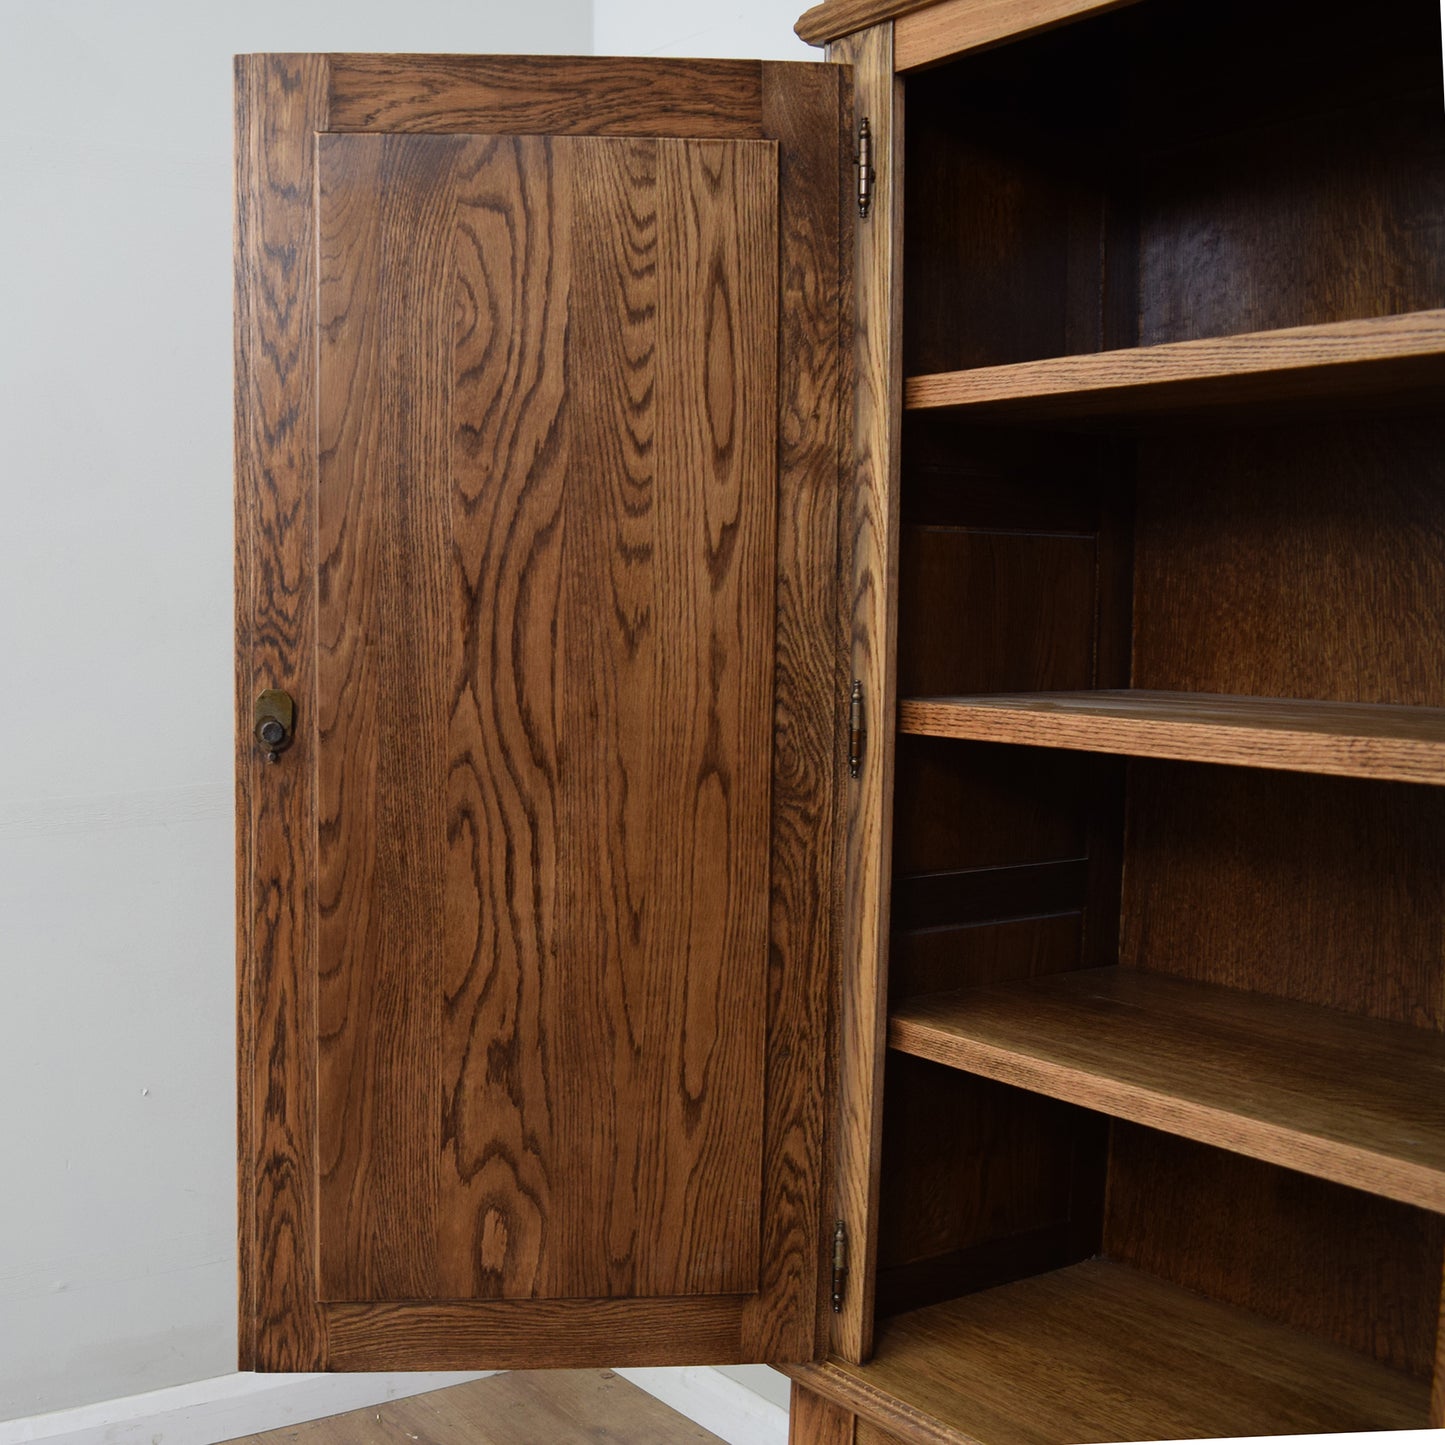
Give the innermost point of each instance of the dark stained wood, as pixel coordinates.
(1360, 1271)
(381, 702)
(1325, 890)
(1023, 806)
(807, 109)
(1274, 1079)
(1338, 359)
(523, 239)
(981, 1183)
(1437, 1393)
(537, 1334)
(989, 895)
(546, 95)
(935, 32)
(769, 1023)
(1029, 604)
(1305, 561)
(540, 856)
(1100, 1352)
(812, 1420)
(869, 512)
(835, 18)
(1331, 214)
(1051, 222)
(1006, 221)
(973, 955)
(865, 1432)
(522, 1407)
(937, 29)
(1358, 740)
(279, 103)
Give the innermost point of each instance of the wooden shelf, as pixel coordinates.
(1356, 740)
(1101, 1352)
(1354, 1100)
(1388, 354)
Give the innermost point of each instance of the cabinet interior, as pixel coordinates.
(1272, 911)
(1167, 172)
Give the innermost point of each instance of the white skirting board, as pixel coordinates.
(230, 1405)
(718, 1403)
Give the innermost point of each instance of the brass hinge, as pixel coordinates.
(856, 731)
(840, 1264)
(864, 161)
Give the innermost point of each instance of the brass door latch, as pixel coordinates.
(275, 725)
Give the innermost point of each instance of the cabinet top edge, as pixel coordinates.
(929, 31)
(833, 19)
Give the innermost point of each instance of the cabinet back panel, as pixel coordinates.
(1360, 1271)
(1297, 178)
(972, 955)
(982, 805)
(980, 1184)
(1293, 561)
(994, 611)
(1304, 220)
(1326, 890)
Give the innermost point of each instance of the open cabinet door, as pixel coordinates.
(540, 418)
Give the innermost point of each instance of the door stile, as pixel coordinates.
(281, 103)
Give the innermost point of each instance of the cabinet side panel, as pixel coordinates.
(280, 102)
(805, 108)
(870, 575)
(812, 1420)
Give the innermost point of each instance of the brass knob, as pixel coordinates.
(275, 722)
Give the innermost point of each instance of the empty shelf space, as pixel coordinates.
(1388, 354)
(1355, 1100)
(1357, 740)
(1101, 1352)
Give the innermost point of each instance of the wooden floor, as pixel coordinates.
(538, 1407)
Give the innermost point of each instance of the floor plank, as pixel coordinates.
(537, 1407)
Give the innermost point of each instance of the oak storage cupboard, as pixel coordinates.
(842, 750)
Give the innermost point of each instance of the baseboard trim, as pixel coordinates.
(710, 1399)
(209, 1411)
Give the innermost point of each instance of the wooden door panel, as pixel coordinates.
(539, 438)
(546, 486)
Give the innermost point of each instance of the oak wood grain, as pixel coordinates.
(1357, 1101)
(536, 1334)
(555, 848)
(1334, 359)
(1100, 1352)
(1360, 740)
(1298, 560)
(812, 1420)
(545, 95)
(279, 104)
(1324, 890)
(1349, 1267)
(935, 28)
(932, 33)
(869, 582)
(382, 541)
(807, 109)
